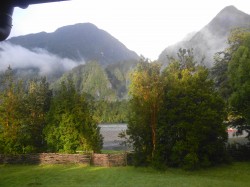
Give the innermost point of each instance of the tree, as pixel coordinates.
(70, 123)
(239, 79)
(219, 72)
(36, 107)
(145, 92)
(231, 78)
(190, 129)
(12, 127)
(111, 111)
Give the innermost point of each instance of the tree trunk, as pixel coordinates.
(153, 127)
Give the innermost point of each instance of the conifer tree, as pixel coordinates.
(71, 126)
(36, 106)
(13, 135)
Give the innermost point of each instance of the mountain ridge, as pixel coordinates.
(212, 37)
(82, 41)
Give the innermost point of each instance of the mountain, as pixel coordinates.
(98, 63)
(83, 41)
(212, 38)
(103, 83)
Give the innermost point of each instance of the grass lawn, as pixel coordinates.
(234, 175)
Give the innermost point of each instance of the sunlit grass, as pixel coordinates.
(112, 151)
(235, 175)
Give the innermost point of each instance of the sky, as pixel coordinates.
(146, 27)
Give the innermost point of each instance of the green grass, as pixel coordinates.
(112, 151)
(234, 175)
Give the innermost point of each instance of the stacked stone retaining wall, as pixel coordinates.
(106, 160)
(109, 160)
(45, 158)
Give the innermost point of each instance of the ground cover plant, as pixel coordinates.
(232, 175)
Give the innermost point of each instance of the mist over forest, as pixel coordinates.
(36, 62)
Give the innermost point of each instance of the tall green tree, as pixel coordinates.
(70, 122)
(239, 79)
(190, 127)
(219, 72)
(146, 93)
(231, 79)
(36, 107)
(13, 137)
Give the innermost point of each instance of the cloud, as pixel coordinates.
(21, 58)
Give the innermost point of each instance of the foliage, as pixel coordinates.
(145, 90)
(22, 116)
(176, 116)
(237, 37)
(36, 106)
(239, 79)
(111, 111)
(139, 132)
(29, 122)
(119, 76)
(231, 77)
(108, 83)
(70, 123)
(191, 133)
(12, 123)
(219, 72)
(89, 78)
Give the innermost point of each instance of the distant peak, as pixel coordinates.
(85, 25)
(230, 10)
(228, 18)
(78, 26)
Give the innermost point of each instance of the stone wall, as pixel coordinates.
(109, 160)
(106, 160)
(46, 158)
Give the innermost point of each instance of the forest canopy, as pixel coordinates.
(34, 119)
